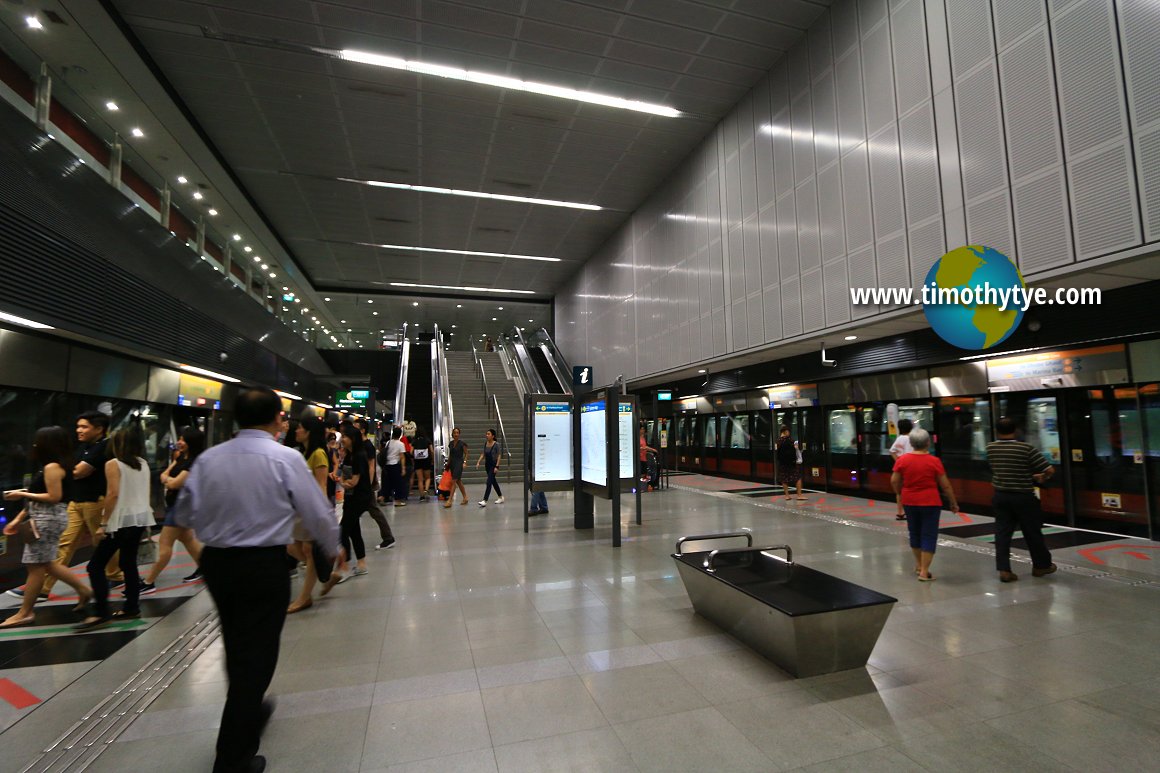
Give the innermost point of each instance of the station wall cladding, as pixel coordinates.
(77, 254)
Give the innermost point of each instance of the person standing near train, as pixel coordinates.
(1017, 468)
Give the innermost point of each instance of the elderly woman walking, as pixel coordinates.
(917, 478)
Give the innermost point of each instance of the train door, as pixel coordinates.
(843, 428)
(1150, 406)
(964, 429)
(860, 437)
(1106, 460)
(709, 437)
(762, 437)
(1037, 415)
(805, 428)
(736, 446)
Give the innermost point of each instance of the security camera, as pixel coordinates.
(827, 363)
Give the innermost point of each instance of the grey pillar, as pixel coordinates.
(115, 162)
(163, 207)
(200, 237)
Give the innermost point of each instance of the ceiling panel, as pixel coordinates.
(289, 119)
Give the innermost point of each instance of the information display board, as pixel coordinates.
(593, 441)
(354, 400)
(628, 441)
(551, 441)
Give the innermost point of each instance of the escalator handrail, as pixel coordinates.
(441, 408)
(401, 385)
(502, 436)
(556, 361)
(528, 370)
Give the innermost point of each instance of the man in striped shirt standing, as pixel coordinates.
(1017, 467)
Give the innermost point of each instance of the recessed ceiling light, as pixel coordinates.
(851, 338)
(414, 303)
(459, 252)
(529, 320)
(455, 326)
(182, 179)
(212, 212)
(136, 132)
(473, 194)
(257, 258)
(273, 275)
(459, 305)
(493, 319)
(237, 237)
(247, 248)
(326, 299)
(463, 287)
(504, 82)
(500, 308)
(702, 370)
(374, 314)
(265, 266)
(343, 321)
(113, 106)
(33, 23)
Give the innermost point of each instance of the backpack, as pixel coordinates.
(786, 451)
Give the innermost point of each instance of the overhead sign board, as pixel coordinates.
(197, 392)
(664, 396)
(1053, 370)
(355, 400)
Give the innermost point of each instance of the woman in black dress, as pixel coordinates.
(457, 453)
(357, 496)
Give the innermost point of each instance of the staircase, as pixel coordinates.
(473, 419)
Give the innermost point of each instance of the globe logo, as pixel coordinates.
(963, 297)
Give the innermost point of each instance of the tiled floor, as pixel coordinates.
(475, 647)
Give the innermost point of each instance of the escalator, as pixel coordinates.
(544, 369)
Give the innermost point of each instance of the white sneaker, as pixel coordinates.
(499, 501)
(483, 503)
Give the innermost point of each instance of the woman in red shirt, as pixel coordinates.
(917, 478)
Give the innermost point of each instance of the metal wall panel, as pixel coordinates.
(770, 271)
(926, 246)
(870, 12)
(803, 142)
(798, 70)
(1103, 202)
(837, 292)
(878, 79)
(1140, 38)
(893, 262)
(813, 301)
(969, 31)
(33, 362)
(791, 307)
(101, 374)
(821, 50)
(1087, 64)
(809, 245)
(740, 327)
(830, 221)
(920, 174)
(1029, 106)
(1014, 18)
(886, 183)
(844, 23)
(863, 273)
(756, 319)
(164, 384)
(856, 199)
(989, 223)
(787, 249)
(782, 153)
(1148, 169)
(747, 159)
(735, 264)
(751, 234)
(981, 141)
(1042, 221)
(851, 113)
(911, 63)
(825, 121)
(771, 301)
(763, 145)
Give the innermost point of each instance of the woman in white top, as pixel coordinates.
(126, 514)
(900, 448)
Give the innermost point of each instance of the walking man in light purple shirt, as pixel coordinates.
(242, 499)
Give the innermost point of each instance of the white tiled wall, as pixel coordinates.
(896, 131)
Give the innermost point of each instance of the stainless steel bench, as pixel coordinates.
(807, 622)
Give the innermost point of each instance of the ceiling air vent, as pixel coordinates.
(378, 91)
(490, 230)
(393, 220)
(512, 184)
(537, 118)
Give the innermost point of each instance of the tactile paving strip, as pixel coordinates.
(82, 743)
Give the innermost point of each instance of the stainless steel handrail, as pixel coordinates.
(708, 564)
(530, 374)
(441, 409)
(723, 535)
(556, 360)
(503, 437)
(401, 385)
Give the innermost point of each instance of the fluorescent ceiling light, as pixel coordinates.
(500, 81)
(459, 287)
(459, 252)
(210, 373)
(15, 320)
(33, 23)
(851, 338)
(136, 132)
(111, 105)
(473, 194)
(324, 405)
(287, 395)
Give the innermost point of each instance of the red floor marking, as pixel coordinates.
(962, 518)
(17, 695)
(1090, 553)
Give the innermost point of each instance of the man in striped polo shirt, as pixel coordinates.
(1017, 467)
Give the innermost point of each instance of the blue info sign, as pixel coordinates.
(582, 376)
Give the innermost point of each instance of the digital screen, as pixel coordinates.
(593, 444)
(663, 396)
(627, 440)
(552, 441)
(352, 399)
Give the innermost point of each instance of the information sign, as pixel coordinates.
(582, 376)
(552, 441)
(352, 400)
(593, 443)
(628, 441)
(664, 396)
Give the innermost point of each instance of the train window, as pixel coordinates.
(710, 432)
(1043, 427)
(921, 416)
(843, 432)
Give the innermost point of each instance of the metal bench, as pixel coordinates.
(807, 622)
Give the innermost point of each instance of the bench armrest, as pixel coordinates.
(713, 554)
